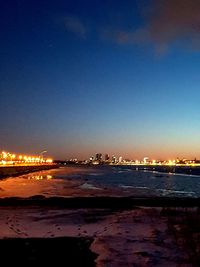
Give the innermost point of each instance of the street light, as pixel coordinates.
(41, 155)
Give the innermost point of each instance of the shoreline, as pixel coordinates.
(13, 171)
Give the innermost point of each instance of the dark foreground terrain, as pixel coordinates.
(103, 232)
(60, 251)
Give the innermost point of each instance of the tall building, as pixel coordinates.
(92, 158)
(98, 157)
(106, 157)
(114, 160)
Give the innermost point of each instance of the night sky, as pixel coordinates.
(79, 77)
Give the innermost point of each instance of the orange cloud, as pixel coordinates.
(167, 22)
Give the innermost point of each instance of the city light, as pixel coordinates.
(10, 159)
(114, 160)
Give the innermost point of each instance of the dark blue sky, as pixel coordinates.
(117, 77)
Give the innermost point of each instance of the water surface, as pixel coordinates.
(100, 180)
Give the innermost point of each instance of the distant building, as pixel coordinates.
(98, 157)
(114, 160)
(107, 157)
(146, 160)
(120, 159)
(92, 158)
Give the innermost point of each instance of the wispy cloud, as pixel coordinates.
(168, 22)
(75, 25)
(127, 37)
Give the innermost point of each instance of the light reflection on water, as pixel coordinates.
(40, 177)
(59, 182)
(158, 183)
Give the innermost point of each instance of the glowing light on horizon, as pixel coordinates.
(7, 158)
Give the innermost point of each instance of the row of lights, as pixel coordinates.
(7, 158)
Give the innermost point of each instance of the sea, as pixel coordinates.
(157, 182)
(57, 182)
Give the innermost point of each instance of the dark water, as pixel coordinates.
(165, 184)
(57, 182)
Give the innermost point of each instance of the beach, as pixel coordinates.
(86, 225)
(139, 236)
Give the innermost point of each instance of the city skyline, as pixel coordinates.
(78, 77)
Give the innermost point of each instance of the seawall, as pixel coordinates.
(7, 171)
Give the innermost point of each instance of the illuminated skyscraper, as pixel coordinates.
(98, 157)
(114, 160)
(106, 157)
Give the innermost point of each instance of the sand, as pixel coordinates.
(136, 237)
